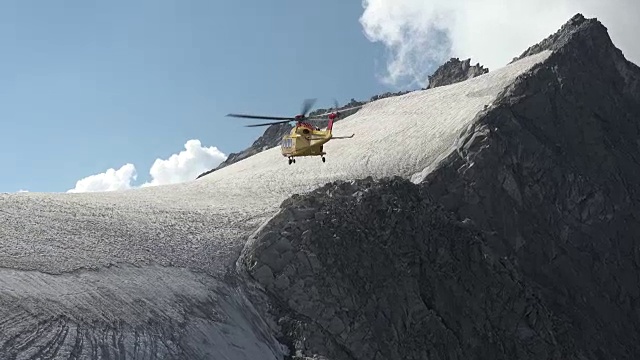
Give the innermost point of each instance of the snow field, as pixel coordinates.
(204, 223)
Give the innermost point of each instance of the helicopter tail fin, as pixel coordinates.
(332, 118)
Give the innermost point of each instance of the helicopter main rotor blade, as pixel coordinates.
(268, 124)
(315, 119)
(307, 104)
(261, 117)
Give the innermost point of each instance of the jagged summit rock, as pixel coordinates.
(578, 24)
(454, 71)
(592, 37)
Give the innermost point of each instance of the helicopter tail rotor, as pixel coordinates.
(307, 104)
(336, 107)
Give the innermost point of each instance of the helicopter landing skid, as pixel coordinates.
(292, 160)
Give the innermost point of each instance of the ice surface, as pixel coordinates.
(152, 311)
(201, 226)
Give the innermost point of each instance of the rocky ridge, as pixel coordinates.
(454, 71)
(520, 245)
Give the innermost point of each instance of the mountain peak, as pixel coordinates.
(577, 25)
(454, 71)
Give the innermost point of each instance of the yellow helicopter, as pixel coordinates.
(304, 138)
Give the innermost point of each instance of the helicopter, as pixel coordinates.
(304, 139)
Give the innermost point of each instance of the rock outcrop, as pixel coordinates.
(454, 71)
(377, 270)
(520, 245)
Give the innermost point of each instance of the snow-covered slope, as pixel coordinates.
(203, 224)
(200, 225)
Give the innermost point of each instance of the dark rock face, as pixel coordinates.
(454, 71)
(533, 253)
(376, 270)
(552, 170)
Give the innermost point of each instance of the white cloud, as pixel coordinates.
(109, 180)
(23, 191)
(184, 166)
(421, 34)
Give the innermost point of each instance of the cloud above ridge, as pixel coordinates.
(109, 180)
(186, 165)
(183, 166)
(420, 35)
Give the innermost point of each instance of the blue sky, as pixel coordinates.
(91, 85)
(101, 90)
